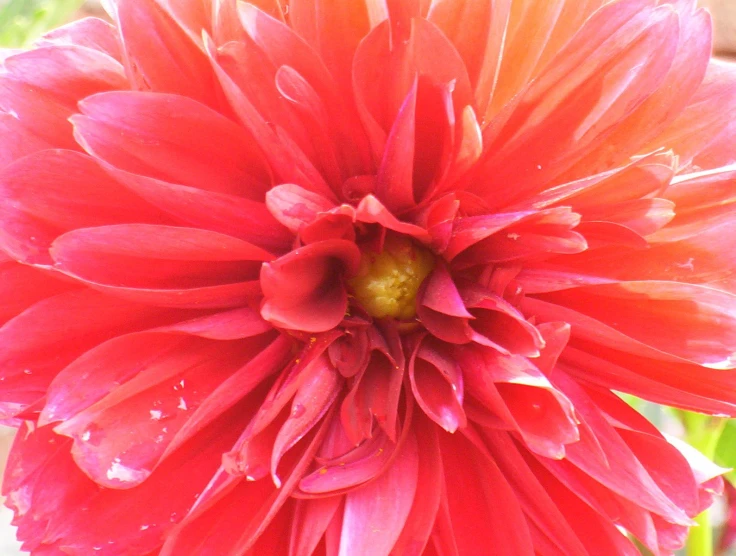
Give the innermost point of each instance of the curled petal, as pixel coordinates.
(303, 290)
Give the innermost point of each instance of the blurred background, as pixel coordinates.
(22, 21)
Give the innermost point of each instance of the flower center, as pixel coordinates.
(387, 282)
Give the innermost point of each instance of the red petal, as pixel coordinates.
(50, 334)
(622, 472)
(93, 378)
(311, 518)
(303, 290)
(154, 404)
(294, 206)
(540, 508)
(395, 175)
(212, 268)
(34, 119)
(382, 506)
(420, 522)
(220, 212)
(370, 210)
(477, 29)
(512, 389)
(316, 394)
(482, 506)
(287, 159)
(437, 383)
(706, 119)
(334, 29)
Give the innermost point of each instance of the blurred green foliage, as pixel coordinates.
(726, 450)
(23, 21)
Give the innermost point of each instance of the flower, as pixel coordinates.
(363, 277)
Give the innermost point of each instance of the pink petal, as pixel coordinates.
(567, 110)
(219, 212)
(37, 207)
(89, 32)
(693, 317)
(158, 54)
(173, 139)
(67, 73)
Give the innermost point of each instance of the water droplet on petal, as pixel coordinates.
(298, 410)
(120, 472)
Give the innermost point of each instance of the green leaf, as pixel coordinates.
(23, 21)
(726, 450)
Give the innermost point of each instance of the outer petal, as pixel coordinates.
(570, 108)
(37, 207)
(681, 320)
(159, 55)
(375, 514)
(171, 138)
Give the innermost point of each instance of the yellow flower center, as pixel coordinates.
(387, 282)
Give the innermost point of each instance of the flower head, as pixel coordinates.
(363, 277)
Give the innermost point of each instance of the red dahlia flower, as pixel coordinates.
(361, 278)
